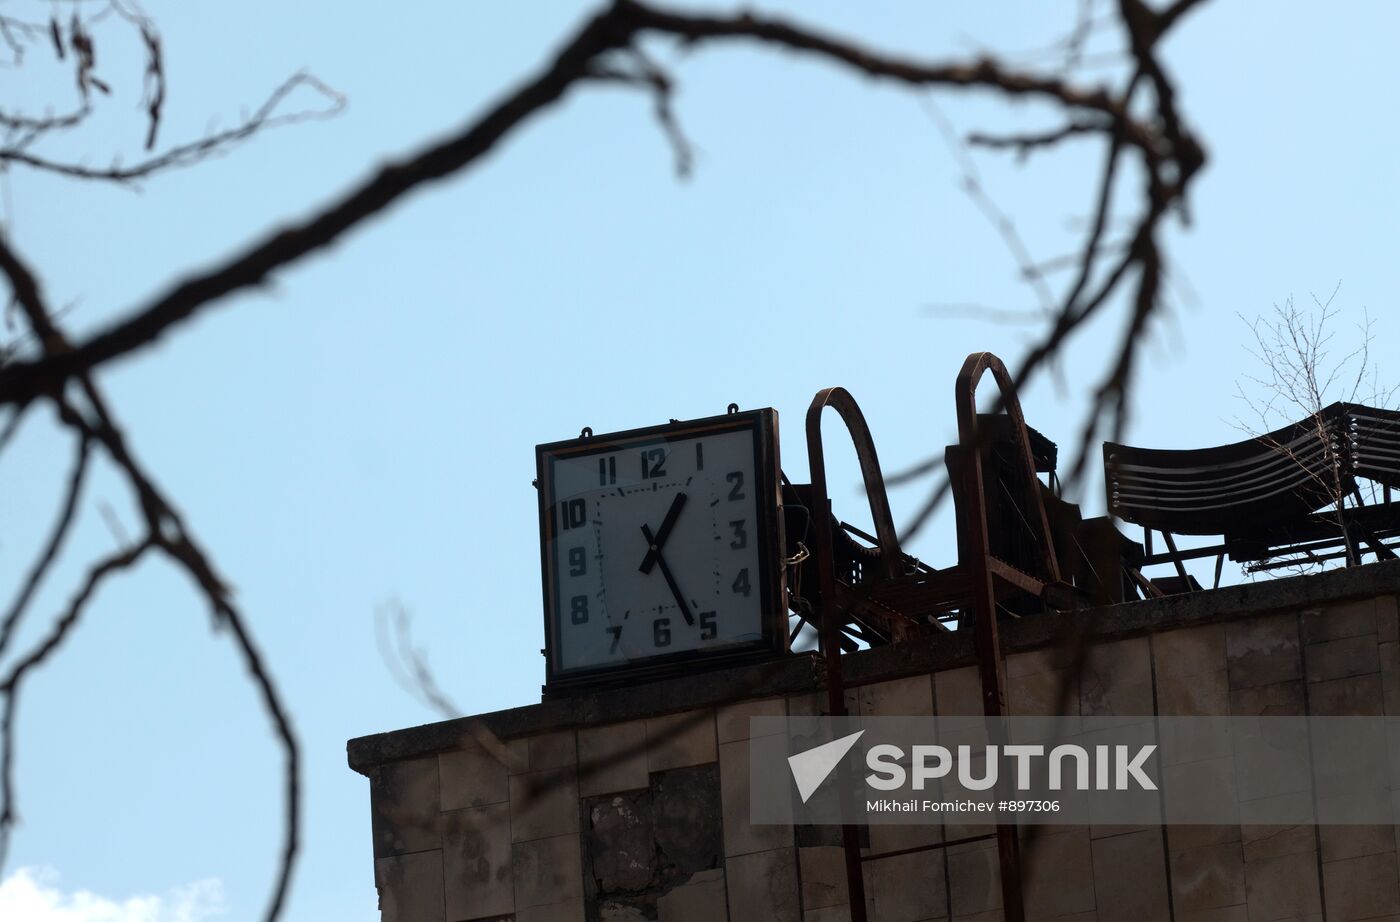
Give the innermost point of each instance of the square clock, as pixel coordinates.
(661, 550)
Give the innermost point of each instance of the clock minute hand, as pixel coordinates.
(670, 580)
(662, 533)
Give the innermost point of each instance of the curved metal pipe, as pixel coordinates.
(840, 400)
(965, 396)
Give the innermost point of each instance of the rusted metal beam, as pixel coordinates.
(829, 618)
(976, 549)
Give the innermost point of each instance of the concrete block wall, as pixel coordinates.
(647, 818)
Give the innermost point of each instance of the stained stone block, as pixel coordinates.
(1199, 695)
(1349, 619)
(1262, 842)
(476, 862)
(1189, 651)
(543, 804)
(1212, 786)
(1046, 659)
(687, 819)
(702, 898)
(958, 692)
(909, 697)
(472, 777)
(740, 836)
(1354, 696)
(1390, 678)
(1286, 699)
(1209, 877)
(763, 886)
(547, 871)
(827, 914)
(1336, 659)
(1361, 888)
(974, 878)
(953, 830)
(1130, 878)
(893, 837)
(517, 756)
(1338, 842)
(410, 887)
(404, 802)
(1263, 651)
(1285, 887)
(1044, 694)
(1184, 838)
(552, 750)
(1060, 878)
(906, 888)
(823, 876)
(612, 758)
(815, 704)
(1117, 680)
(1238, 913)
(732, 721)
(1387, 622)
(679, 740)
(567, 911)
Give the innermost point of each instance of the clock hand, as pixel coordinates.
(670, 580)
(662, 533)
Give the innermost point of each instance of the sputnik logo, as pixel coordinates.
(811, 768)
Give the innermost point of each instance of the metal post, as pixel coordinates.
(828, 620)
(977, 549)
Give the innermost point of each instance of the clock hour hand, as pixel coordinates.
(666, 572)
(662, 533)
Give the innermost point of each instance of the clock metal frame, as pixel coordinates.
(763, 423)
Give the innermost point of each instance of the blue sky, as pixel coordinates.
(363, 428)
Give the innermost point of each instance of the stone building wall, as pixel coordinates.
(633, 805)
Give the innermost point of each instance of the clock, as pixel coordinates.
(661, 549)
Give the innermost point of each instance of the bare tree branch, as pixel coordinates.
(164, 530)
(617, 27)
(51, 548)
(10, 685)
(186, 154)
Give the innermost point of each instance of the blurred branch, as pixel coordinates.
(10, 685)
(407, 663)
(164, 531)
(1171, 159)
(51, 548)
(264, 118)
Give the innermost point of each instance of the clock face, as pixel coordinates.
(659, 544)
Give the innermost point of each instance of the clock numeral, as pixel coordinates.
(573, 513)
(741, 583)
(607, 470)
(653, 463)
(736, 478)
(661, 632)
(616, 632)
(741, 537)
(578, 609)
(708, 628)
(578, 561)
(699, 456)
